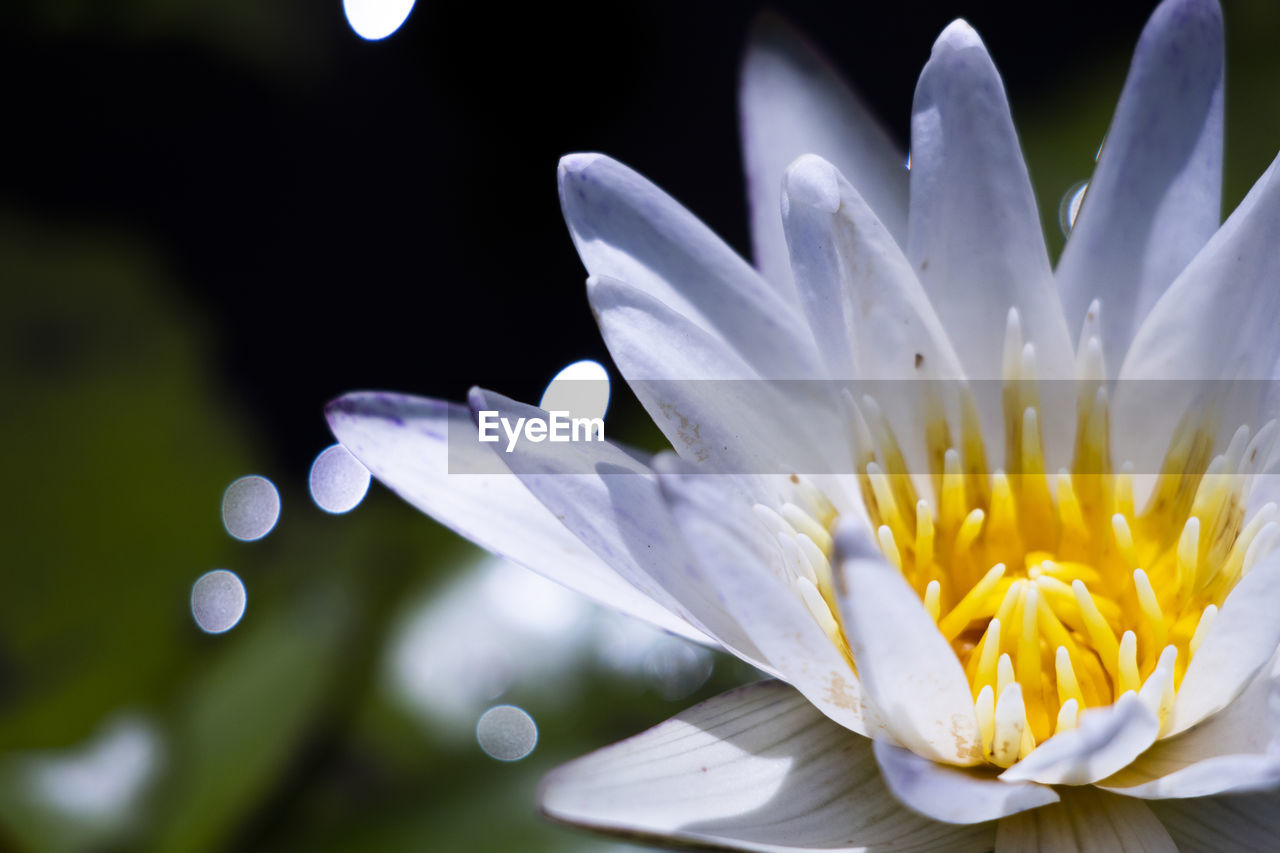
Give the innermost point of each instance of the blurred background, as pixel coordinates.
(216, 216)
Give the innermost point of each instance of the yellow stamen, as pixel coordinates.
(985, 706)
(1057, 594)
(1127, 657)
(1068, 715)
(1150, 608)
(1099, 631)
(1202, 627)
(1010, 723)
(967, 609)
(931, 602)
(1068, 687)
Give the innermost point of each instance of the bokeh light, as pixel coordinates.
(102, 780)
(376, 19)
(500, 628)
(338, 481)
(250, 508)
(218, 600)
(675, 668)
(581, 389)
(506, 733)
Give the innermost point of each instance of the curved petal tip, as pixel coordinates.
(814, 182)
(957, 35)
(577, 162)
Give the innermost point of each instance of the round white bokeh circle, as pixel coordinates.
(218, 600)
(338, 481)
(376, 19)
(250, 508)
(506, 733)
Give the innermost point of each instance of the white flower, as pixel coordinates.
(966, 657)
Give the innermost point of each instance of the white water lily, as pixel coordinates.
(1049, 654)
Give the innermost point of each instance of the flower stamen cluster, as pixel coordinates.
(1055, 592)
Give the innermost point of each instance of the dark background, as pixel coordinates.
(216, 216)
(350, 214)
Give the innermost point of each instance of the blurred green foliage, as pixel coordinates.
(281, 731)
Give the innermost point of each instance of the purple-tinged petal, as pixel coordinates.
(974, 235)
(792, 102)
(1155, 196)
(913, 679)
(406, 443)
(611, 501)
(627, 229)
(955, 794)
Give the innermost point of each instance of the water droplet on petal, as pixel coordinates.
(376, 19)
(250, 508)
(338, 481)
(506, 733)
(581, 389)
(1069, 207)
(217, 601)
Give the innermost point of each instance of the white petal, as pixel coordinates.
(974, 234)
(953, 794)
(912, 677)
(739, 558)
(626, 228)
(1217, 323)
(612, 503)
(867, 309)
(1240, 641)
(753, 769)
(1106, 740)
(713, 407)
(1155, 196)
(1218, 319)
(1085, 820)
(406, 443)
(792, 102)
(1237, 749)
(1222, 824)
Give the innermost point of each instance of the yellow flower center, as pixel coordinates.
(1056, 593)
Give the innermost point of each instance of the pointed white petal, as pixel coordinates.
(974, 234)
(792, 102)
(1155, 196)
(1235, 750)
(626, 228)
(912, 677)
(1218, 318)
(1085, 820)
(714, 408)
(1222, 824)
(406, 443)
(1239, 643)
(612, 503)
(754, 769)
(866, 307)
(1106, 740)
(954, 794)
(1215, 323)
(736, 555)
